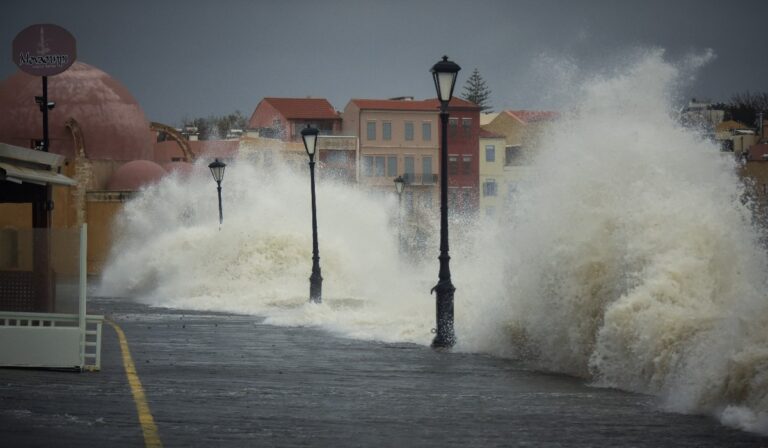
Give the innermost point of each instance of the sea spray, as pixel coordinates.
(169, 251)
(627, 256)
(635, 262)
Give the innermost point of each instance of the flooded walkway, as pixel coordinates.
(227, 380)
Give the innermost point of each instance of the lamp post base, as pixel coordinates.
(445, 337)
(442, 345)
(316, 287)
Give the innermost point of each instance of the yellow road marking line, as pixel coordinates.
(148, 427)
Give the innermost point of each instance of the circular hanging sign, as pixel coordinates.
(44, 49)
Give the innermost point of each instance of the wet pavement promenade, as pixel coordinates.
(227, 380)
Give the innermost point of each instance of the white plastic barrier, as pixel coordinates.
(50, 340)
(54, 340)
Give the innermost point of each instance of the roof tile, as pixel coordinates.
(488, 134)
(428, 105)
(533, 116)
(304, 108)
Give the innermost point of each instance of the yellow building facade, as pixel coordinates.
(507, 142)
(492, 175)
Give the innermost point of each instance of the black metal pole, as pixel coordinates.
(221, 214)
(315, 280)
(445, 337)
(44, 109)
(42, 222)
(400, 222)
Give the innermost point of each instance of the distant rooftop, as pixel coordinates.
(304, 108)
(487, 117)
(730, 125)
(407, 103)
(488, 134)
(532, 116)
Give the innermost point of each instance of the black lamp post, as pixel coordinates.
(309, 135)
(41, 216)
(399, 185)
(217, 169)
(444, 74)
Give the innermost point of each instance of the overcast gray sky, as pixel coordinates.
(195, 58)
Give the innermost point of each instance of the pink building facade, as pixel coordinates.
(397, 138)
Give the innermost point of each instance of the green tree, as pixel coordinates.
(203, 127)
(217, 127)
(226, 123)
(745, 107)
(476, 91)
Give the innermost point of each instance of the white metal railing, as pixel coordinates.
(90, 346)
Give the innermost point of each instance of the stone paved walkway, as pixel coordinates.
(226, 380)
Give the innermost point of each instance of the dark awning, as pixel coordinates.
(22, 165)
(19, 174)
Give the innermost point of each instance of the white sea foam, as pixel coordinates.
(634, 261)
(170, 252)
(628, 258)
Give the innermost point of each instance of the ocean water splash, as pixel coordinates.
(634, 262)
(627, 258)
(170, 252)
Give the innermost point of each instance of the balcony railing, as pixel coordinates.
(420, 179)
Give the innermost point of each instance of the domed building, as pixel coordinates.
(103, 133)
(134, 175)
(113, 125)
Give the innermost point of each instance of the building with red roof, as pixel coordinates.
(401, 136)
(284, 118)
(521, 129)
(463, 155)
(397, 137)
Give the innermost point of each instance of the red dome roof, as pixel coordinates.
(114, 126)
(134, 175)
(184, 168)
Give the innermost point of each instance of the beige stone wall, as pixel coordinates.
(101, 215)
(70, 209)
(17, 216)
(398, 119)
(424, 196)
(351, 119)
